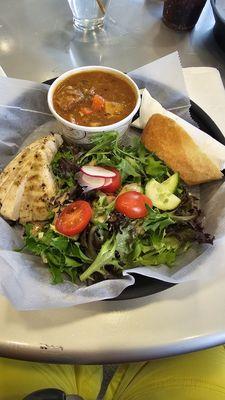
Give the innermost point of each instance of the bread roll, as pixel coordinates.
(172, 144)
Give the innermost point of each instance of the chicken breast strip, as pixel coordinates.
(27, 183)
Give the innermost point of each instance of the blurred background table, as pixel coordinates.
(38, 42)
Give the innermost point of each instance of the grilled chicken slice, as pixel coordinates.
(27, 183)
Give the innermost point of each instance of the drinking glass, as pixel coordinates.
(182, 15)
(88, 14)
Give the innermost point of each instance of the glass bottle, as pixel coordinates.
(182, 15)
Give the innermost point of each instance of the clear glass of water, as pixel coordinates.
(88, 14)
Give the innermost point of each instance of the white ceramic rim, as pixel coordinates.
(90, 129)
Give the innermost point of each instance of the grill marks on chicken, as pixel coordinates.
(27, 183)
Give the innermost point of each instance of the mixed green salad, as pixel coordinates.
(118, 207)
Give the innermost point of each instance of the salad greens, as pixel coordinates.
(102, 207)
(64, 167)
(134, 161)
(62, 254)
(113, 242)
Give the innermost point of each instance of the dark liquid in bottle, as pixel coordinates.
(182, 15)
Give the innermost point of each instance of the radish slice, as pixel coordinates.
(97, 171)
(90, 181)
(108, 182)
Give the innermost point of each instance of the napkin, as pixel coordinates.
(149, 106)
(2, 72)
(198, 81)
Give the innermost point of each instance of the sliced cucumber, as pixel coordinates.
(160, 196)
(130, 187)
(171, 183)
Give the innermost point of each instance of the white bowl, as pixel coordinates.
(79, 133)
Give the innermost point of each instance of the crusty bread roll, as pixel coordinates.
(172, 144)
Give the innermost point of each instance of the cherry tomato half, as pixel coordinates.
(133, 204)
(116, 181)
(74, 218)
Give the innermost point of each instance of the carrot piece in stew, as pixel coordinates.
(98, 103)
(86, 110)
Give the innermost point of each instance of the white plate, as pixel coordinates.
(184, 318)
(181, 319)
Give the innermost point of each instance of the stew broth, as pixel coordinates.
(94, 98)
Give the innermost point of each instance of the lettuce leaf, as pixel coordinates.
(134, 161)
(64, 168)
(62, 254)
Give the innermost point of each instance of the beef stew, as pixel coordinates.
(94, 98)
